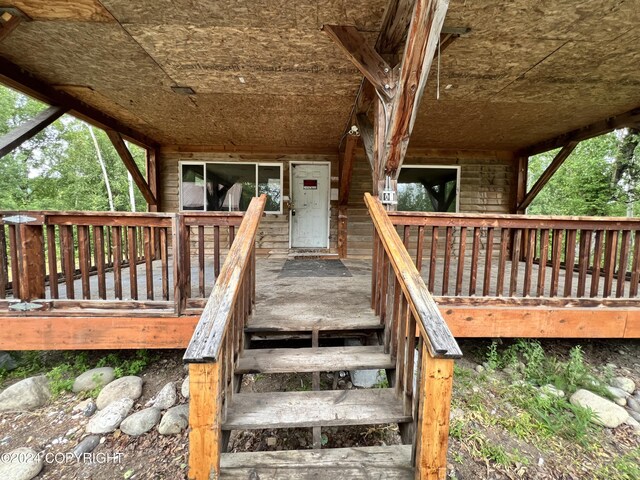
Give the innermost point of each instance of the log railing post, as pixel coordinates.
(177, 227)
(434, 391)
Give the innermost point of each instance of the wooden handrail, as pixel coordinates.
(207, 338)
(481, 220)
(441, 343)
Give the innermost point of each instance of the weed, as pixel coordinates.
(624, 467)
(458, 457)
(493, 360)
(60, 379)
(382, 382)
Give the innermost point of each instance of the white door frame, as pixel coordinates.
(310, 162)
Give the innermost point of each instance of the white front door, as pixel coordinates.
(309, 205)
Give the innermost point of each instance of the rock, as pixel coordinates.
(633, 423)
(634, 415)
(97, 377)
(606, 413)
(623, 383)
(111, 417)
(480, 368)
(125, 387)
(141, 422)
(620, 401)
(633, 404)
(166, 397)
(366, 378)
(456, 413)
(27, 394)
(272, 441)
(82, 405)
(86, 445)
(90, 409)
(184, 390)
(174, 420)
(22, 464)
(551, 390)
(7, 362)
(617, 392)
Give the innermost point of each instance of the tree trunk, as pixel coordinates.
(102, 166)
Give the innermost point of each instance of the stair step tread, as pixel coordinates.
(324, 359)
(249, 411)
(359, 463)
(287, 323)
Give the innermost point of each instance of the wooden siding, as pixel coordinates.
(273, 235)
(485, 187)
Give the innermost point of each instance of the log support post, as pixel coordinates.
(205, 417)
(346, 172)
(436, 383)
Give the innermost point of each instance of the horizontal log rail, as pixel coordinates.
(400, 296)
(216, 345)
(54, 262)
(525, 256)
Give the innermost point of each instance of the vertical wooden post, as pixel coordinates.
(436, 383)
(152, 177)
(519, 186)
(178, 261)
(32, 269)
(204, 421)
(342, 231)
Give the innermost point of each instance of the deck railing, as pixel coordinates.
(400, 297)
(216, 345)
(590, 259)
(104, 262)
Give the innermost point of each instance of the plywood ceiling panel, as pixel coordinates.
(248, 60)
(264, 74)
(284, 14)
(78, 10)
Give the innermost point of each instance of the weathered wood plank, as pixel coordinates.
(133, 261)
(325, 359)
(308, 409)
(51, 258)
(148, 260)
(356, 463)
(623, 263)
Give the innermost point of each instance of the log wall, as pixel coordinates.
(485, 186)
(273, 235)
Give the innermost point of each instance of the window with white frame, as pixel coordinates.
(229, 187)
(423, 188)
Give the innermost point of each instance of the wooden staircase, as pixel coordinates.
(410, 333)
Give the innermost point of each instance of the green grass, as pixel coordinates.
(625, 467)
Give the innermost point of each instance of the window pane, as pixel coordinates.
(230, 187)
(269, 183)
(427, 189)
(193, 187)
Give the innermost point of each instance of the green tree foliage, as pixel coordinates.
(585, 184)
(58, 168)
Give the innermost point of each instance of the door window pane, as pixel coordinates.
(427, 189)
(269, 183)
(192, 187)
(230, 187)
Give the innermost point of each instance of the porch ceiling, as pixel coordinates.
(265, 75)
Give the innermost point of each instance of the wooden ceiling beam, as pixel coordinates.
(8, 23)
(19, 79)
(132, 167)
(28, 129)
(363, 56)
(553, 167)
(624, 120)
(395, 24)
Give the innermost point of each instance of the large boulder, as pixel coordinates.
(184, 389)
(107, 420)
(21, 464)
(27, 394)
(606, 413)
(96, 377)
(125, 387)
(175, 420)
(141, 422)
